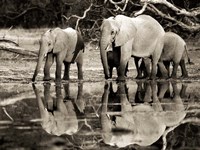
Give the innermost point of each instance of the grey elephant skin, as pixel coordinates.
(175, 52)
(65, 46)
(143, 124)
(140, 36)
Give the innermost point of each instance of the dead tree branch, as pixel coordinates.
(17, 49)
(141, 11)
(9, 41)
(192, 28)
(116, 4)
(78, 17)
(174, 8)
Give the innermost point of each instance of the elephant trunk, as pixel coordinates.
(104, 43)
(105, 120)
(39, 64)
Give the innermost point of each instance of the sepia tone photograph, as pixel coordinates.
(100, 75)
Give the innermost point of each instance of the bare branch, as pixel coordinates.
(171, 6)
(168, 17)
(142, 10)
(78, 17)
(117, 3)
(16, 49)
(9, 41)
(125, 2)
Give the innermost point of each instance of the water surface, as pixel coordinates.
(100, 115)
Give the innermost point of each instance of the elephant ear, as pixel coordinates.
(127, 30)
(59, 36)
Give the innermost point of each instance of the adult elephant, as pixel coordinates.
(66, 46)
(141, 36)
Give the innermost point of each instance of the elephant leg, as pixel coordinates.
(48, 64)
(47, 97)
(126, 51)
(163, 87)
(66, 72)
(146, 67)
(156, 60)
(79, 64)
(183, 69)
(157, 105)
(67, 91)
(80, 70)
(163, 70)
(174, 71)
(167, 66)
(139, 95)
(148, 93)
(183, 91)
(126, 70)
(139, 72)
(110, 70)
(154, 68)
(59, 61)
(159, 74)
(121, 74)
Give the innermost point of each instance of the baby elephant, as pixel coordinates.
(175, 51)
(65, 46)
(113, 61)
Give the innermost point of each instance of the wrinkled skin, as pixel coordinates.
(174, 51)
(65, 46)
(59, 114)
(140, 124)
(141, 36)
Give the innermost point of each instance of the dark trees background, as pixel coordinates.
(181, 16)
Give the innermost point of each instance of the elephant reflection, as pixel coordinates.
(143, 123)
(59, 114)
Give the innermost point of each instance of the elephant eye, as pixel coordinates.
(112, 32)
(49, 43)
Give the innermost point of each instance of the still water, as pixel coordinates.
(100, 115)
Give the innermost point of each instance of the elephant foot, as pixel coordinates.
(107, 77)
(33, 79)
(164, 77)
(174, 77)
(139, 77)
(47, 79)
(152, 78)
(121, 79)
(184, 76)
(65, 78)
(58, 80)
(80, 78)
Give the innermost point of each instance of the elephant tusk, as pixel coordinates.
(107, 47)
(108, 116)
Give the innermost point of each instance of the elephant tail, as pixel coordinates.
(186, 51)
